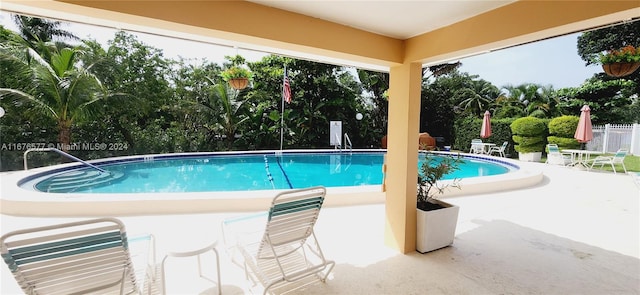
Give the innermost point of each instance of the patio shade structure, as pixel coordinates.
(377, 38)
(584, 133)
(485, 130)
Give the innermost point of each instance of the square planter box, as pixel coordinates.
(530, 157)
(436, 228)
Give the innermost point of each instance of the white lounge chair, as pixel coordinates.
(499, 149)
(556, 157)
(286, 253)
(618, 158)
(73, 258)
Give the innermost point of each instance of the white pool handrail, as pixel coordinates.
(61, 153)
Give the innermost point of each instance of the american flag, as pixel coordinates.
(286, 89)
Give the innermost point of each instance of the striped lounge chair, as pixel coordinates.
(81, 257)
(285, 254)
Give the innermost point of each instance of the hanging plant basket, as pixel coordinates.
(239, 83)
(620, 69)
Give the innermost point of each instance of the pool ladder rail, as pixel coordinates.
(68, 156)
(71, 181)
(346, 142)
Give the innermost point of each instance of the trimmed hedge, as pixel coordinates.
(468, 128)
(529, 134)
(561, 130)
(528, 140)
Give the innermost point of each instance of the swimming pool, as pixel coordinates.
(236, 172)
(20, 198)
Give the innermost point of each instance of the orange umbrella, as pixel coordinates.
(584, 132)
(485, 131)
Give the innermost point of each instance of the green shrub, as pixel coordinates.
(527, 140)
(468, 128)
(561, 131)
(563, 126)
(528, 126)
(529, 134)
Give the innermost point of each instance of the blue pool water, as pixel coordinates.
(239, 172)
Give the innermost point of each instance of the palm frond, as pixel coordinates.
(15, 96)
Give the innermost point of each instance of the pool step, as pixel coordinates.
(74, 180)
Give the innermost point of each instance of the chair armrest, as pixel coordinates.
(150, 259)
(236, 229)
(602, 158)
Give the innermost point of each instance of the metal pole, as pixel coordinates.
(282, 112)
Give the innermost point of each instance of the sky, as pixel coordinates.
(549, 62)
(552, 62)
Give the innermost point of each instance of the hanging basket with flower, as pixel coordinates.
(237, 77)
(620, 63)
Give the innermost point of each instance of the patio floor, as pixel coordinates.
(577, 232)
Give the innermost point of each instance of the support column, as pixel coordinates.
(402, 156)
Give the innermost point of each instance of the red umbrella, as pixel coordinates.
(584, 132)
(485, 131)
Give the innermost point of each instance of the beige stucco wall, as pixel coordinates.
(514, 24)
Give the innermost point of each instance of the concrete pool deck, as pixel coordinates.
(576, 232)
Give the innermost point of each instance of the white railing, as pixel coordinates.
(347, 143)
(611, 137)
(343, 144)
(61, 153)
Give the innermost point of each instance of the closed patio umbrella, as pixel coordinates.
(583, 132)
(485, 131)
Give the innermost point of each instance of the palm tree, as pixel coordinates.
(479, 98)
(58, 87)
(537, 100)
(35, 30)
(39, 33)
(508, 107)
(225, 108)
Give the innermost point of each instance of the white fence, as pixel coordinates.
(611, 137)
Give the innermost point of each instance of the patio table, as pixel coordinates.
(486, 147)
(580, 157)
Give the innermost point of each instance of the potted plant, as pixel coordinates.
(621, 62)
(436, 220)
(529, 135)
(238, 77)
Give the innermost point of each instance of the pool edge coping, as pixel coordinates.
(33, 203)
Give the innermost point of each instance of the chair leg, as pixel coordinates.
(614, 168)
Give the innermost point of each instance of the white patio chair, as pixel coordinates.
(285, 254)
(618, 158)
(73, 258)
(499, 149)
(476, 146)
(556, 157)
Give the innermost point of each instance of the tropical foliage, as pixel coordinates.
(58, 87)
(593, 43)
(66, 90)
